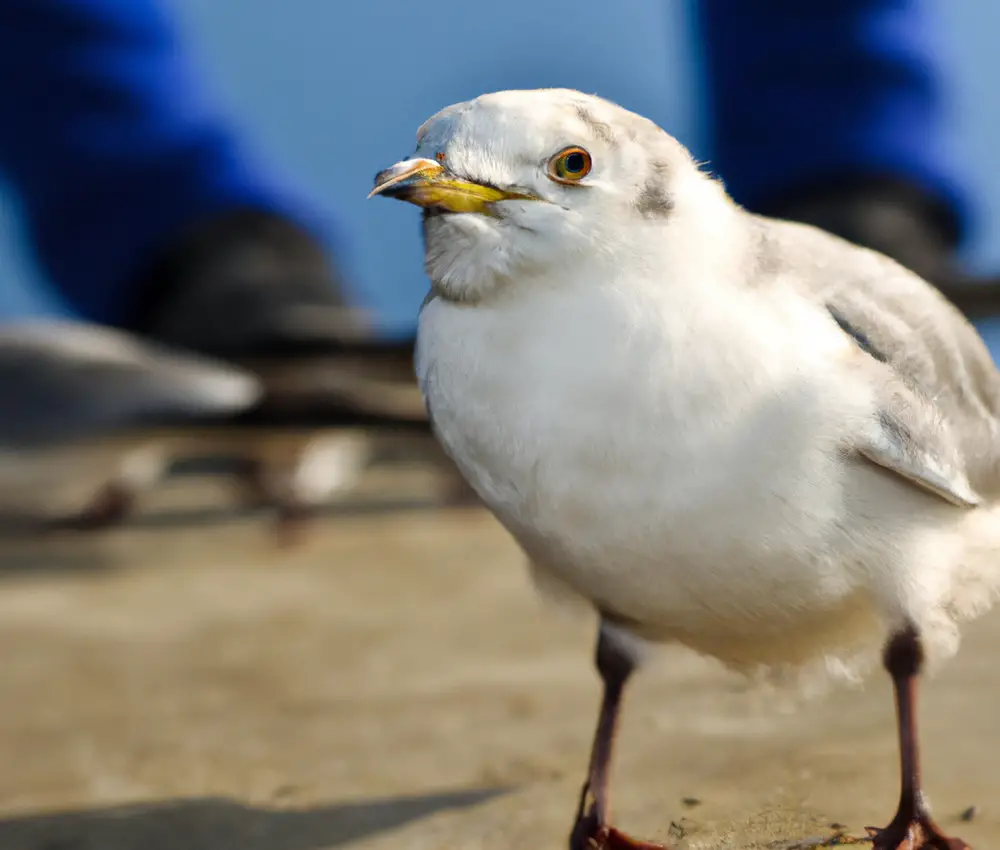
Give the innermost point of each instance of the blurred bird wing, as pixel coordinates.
(67, 380)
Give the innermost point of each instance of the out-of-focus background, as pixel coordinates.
(337, 90)
(185, 682)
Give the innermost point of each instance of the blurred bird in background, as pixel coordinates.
(90, 417)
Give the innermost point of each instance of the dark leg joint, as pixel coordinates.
(614, 660)
(904, 654)
(110, 506)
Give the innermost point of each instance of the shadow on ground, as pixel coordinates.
(27, 555)
(219, 824)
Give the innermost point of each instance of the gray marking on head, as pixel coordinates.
(598, 128)
(653, 200)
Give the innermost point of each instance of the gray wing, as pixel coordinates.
(65, 380)
(940, 390)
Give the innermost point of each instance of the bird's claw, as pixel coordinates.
(609, 838)
(920, 834)
(590, 834)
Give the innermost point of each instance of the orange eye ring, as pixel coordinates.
(570, 165)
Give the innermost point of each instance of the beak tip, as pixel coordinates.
(394, 181)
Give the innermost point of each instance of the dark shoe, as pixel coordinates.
(901, 221)
(256, 289)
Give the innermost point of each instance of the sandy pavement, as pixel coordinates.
(183, 684)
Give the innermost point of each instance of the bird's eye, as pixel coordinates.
(570, 165)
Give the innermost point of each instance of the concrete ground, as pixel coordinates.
(182, 684)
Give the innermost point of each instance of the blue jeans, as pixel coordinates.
(811, 92)
(112, 143)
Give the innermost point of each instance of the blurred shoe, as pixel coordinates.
(901, 221)
(256, 289)
(259, 291)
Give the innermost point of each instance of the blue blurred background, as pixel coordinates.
(336, 90)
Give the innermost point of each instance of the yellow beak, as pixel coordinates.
(426, 183)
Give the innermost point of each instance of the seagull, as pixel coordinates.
(92, 417)
(739, 434)
(85, 404)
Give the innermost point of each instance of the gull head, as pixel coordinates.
(515, 185)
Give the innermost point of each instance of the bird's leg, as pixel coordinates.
(912, 828)
(139, 469)
(265, 486)
(592, 831)
(254, 488)
(110, 506)
(291, 525)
